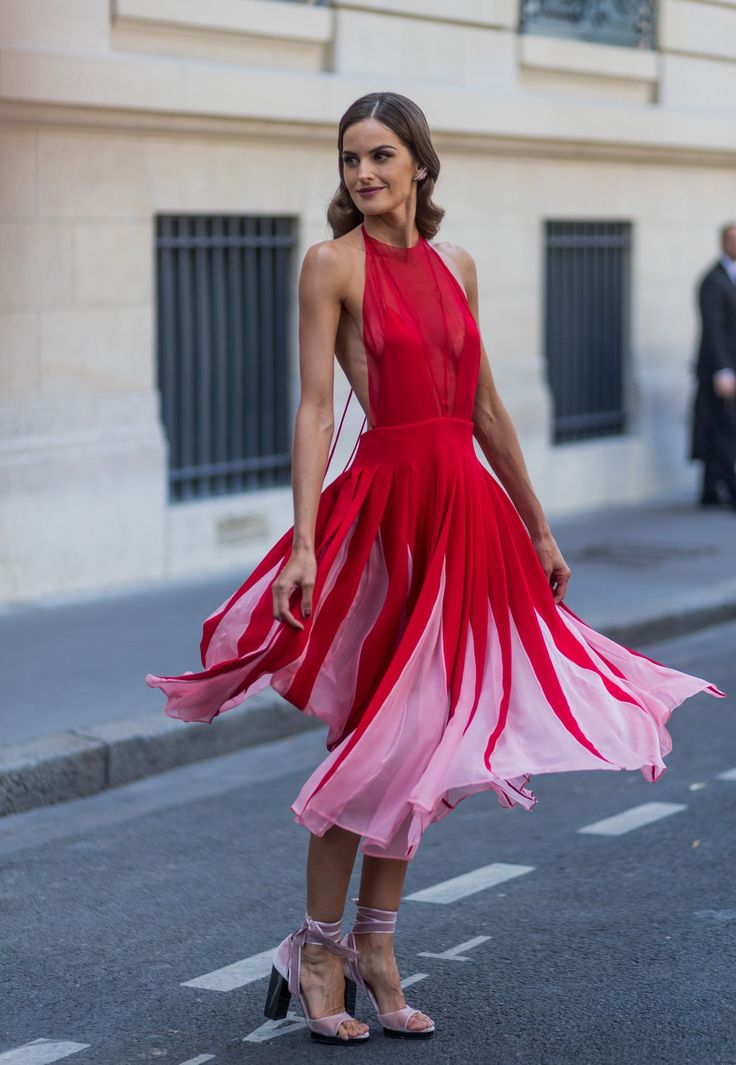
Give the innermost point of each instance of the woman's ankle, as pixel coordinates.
(314, 951)
(375, 942)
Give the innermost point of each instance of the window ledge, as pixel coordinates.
(583, 57)
(263, 18)
(498, 14)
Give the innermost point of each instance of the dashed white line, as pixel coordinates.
(716, 915)
(199, 1060)
(272, 1029)
(413, 979)
(468, 883)
(636, 817)
(41, 1052)
(240, 973)
(454, 953)
(730, 774)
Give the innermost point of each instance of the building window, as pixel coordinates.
(587, 270)
(625, 22)
(223, 301)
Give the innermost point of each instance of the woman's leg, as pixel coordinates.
(329, 867)
(381, 883)
(330, 864)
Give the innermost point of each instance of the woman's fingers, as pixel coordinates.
(559, 580)
(286, 615)
(282, 589)
(307, 590)
(281, 593)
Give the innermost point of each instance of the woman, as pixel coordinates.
(414, 606)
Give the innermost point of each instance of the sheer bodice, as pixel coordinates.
(421, 341)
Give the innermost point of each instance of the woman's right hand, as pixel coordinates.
(300, 571)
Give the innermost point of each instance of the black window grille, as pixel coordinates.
(624, 22)
(223, 301)
(587, 301)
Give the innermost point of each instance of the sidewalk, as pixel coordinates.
(77, 716)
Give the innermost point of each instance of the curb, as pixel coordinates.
(83, 761)
(694, 612)
(86, 760)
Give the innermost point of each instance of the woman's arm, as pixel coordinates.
(321, 290)
(499, 442)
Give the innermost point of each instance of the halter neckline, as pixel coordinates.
(394, 247)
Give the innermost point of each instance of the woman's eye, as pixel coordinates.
(378, 155)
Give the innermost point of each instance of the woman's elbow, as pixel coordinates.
(319, 416)
(486, 415)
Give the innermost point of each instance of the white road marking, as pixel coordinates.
(413, 979)
(240, 973)
(716, 915)
(730, 774)
(272, 1029)
(199, 1060)
(453, 954)
(41, 1052)
(633, 818)
(467, 884)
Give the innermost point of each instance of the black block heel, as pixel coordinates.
(287, 957)
(350, 993)
(278, 997)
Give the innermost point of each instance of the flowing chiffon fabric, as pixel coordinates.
(435, 652)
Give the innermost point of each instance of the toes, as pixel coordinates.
(420, 1020)
(348, 1030)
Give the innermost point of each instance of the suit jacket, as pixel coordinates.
(717, 301)
(714, 421)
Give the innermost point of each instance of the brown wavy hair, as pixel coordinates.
(406, 119)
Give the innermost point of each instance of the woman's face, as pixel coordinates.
(375, 159)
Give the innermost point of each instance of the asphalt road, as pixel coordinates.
(131, 922)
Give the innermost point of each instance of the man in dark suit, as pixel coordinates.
(714, 416)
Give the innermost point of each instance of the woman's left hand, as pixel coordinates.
(557, 570)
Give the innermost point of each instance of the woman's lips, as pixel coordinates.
(370, 192)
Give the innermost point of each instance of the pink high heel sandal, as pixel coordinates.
(371, 919)
(285, 979)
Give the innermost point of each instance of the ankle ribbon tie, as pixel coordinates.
(327, 934)
(372, 919)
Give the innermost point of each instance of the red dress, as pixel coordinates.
(435, 651)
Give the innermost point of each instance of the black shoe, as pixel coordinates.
(727, 503)
(717, 495)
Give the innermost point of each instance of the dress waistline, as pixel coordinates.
(408, 441)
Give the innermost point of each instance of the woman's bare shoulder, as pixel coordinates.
(462, 261)
(456, 252)
(332, 261)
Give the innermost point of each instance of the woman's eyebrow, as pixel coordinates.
(347, 151)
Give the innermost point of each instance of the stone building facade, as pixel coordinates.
(116, 114)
